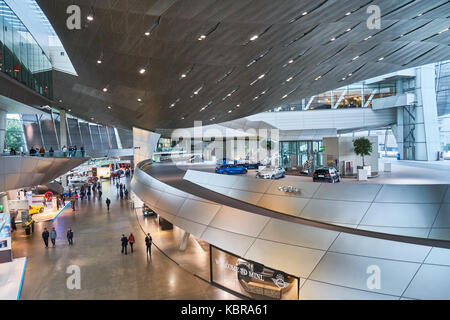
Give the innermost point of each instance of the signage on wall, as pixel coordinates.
(5, 232)
(250, 278)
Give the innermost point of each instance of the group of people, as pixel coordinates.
(85, 191)
(41, 151)
(52, 235)
(72, 151)
(131, 240)
(122, 190)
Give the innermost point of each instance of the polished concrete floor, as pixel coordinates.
(105, 272)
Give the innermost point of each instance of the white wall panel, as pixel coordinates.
(297, 234)
(313, 290)
(411, 193)
(430, 282)
(198, 211)
(335, 211)
(401, 215)
(288, 205)
(239, 221)
(291, 259)
(351, 271)
(366, 246)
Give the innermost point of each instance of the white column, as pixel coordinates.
(427, 126)
(2, 129)
(62, 129)
(185, 241)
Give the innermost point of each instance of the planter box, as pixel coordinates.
(362, 175)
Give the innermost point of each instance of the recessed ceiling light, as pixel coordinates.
(261, 76)
(142, 71)
(201, 37)
(349, 29)
(343, 79)
(350, 74)
(229, 111)
(318, 78)
(109, 107)
(367, 38)
(348, 13)
(182, 118)
(401, 35)
(90, 17)
(253, 38)
(172, 105)
(99, 61)
(289, 79)
(147, 33)
(290, 61)
(183, 75)
(139, 100)
(332, 39)
(382, 58)
(69, 110)
(445, 30)
(305, 13)
(238, 105)
(105, 89)
(419, 14)
(284, 96)
(60, 100)
(92, 118)
(354, 58)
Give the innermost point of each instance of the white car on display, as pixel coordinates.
(76, 184)
(271, 173)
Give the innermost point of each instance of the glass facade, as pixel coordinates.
(356, 95)
(296, 153)
(20, 55)
(443, 88)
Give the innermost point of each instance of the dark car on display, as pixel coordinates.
(231, 169)
(327, 174)
(251, 165)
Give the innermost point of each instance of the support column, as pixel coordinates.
(2, 130)
(185, 241)
(62, 129)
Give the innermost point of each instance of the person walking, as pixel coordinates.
(72, 201)
(131, 241)
(148, 244)
(100, 194)
(126, 194)
(124, 243)
(58, 203)
(53, 237)
(121, 194)
(45, 236)
(70, 236)
(108, 202)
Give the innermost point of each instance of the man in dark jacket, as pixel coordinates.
(124, 243)
(148, 244)
(45, 236)
(70, 236)
(108, 202)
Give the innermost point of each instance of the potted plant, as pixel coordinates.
(363, 147)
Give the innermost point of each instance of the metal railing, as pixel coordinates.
(47, 154)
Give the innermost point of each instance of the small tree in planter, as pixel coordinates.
(362, 147)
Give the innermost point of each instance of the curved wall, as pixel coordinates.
(330, 264)
(412, 210)
(24, 171)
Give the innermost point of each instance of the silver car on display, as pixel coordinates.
(271, 173)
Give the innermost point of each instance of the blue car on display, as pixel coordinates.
(230, 169)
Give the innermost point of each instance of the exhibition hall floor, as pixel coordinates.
(105, 272)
